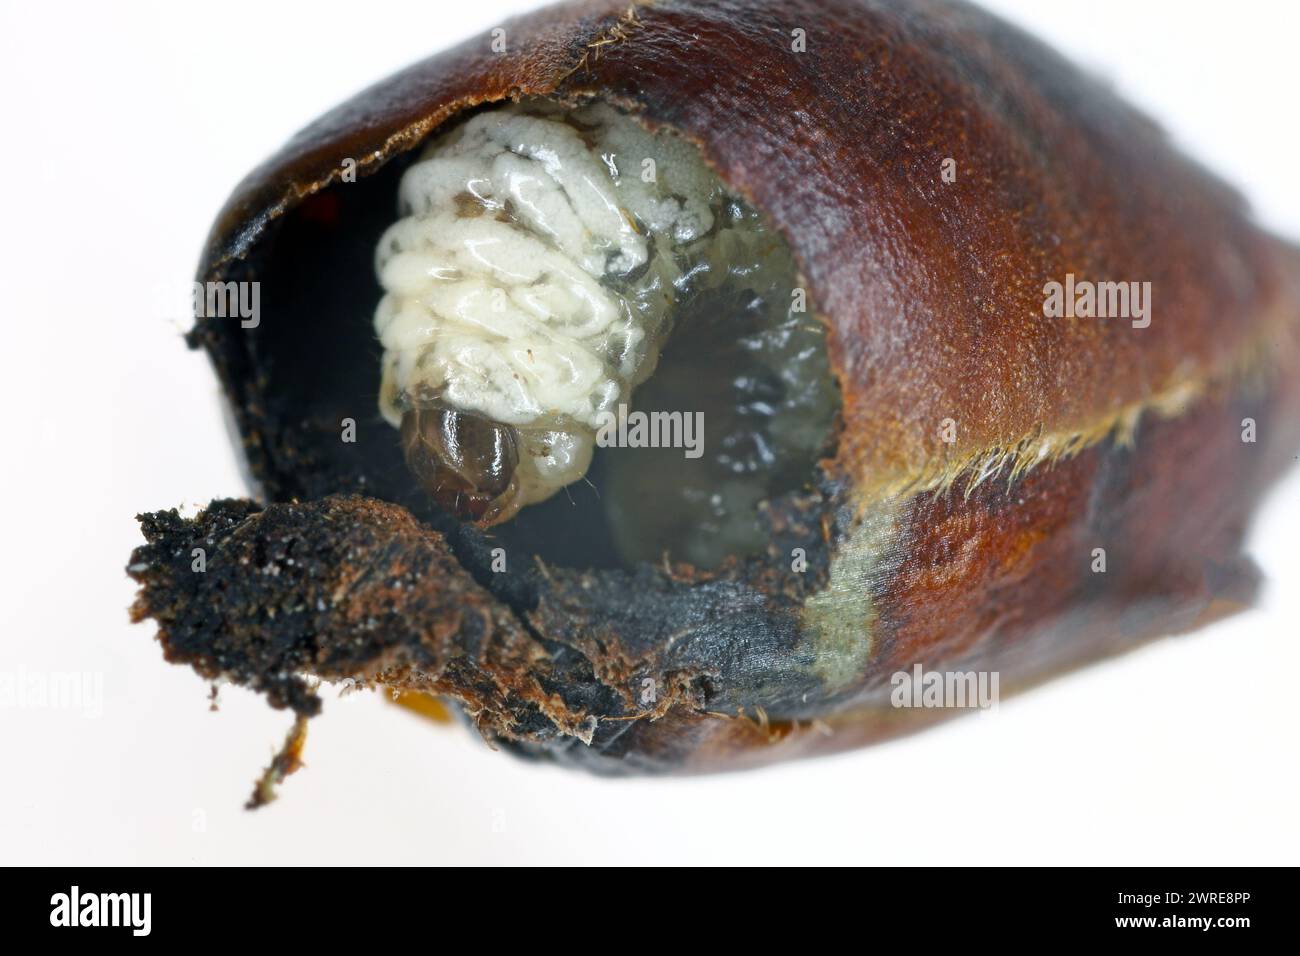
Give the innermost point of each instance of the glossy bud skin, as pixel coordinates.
(969, 548)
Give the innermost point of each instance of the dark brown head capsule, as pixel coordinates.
(465, 462)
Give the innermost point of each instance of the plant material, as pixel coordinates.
(1003, 487)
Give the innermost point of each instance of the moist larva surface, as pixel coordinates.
(542, 259)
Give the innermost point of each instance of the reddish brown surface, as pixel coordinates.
(933, 295)
(934, 290)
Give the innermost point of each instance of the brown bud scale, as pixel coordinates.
(966, 554)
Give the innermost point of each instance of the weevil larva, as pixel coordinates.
(543, 258)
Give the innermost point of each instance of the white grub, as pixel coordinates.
(532, 278)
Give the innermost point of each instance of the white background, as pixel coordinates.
(123, 129)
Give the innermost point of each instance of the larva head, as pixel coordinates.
(466, 463)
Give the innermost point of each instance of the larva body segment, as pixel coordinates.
(532, 278)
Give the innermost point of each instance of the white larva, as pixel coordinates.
(529, 287)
